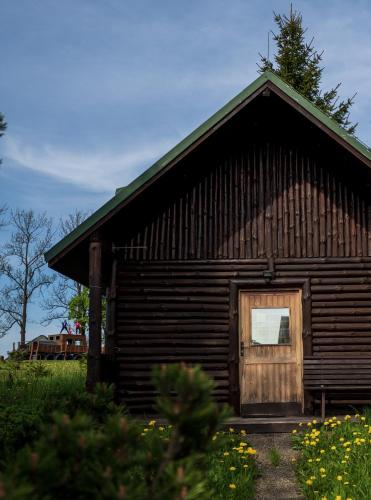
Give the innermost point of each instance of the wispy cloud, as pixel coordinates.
(100, 171)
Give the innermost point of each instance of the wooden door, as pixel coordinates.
(271, 353)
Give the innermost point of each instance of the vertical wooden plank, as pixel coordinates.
(199, 205)
(328, 217)
(280, 188)
(303, 218)
(211, 194)
(309, 210)
(248, 201)
(340, 221)
(231, 203)
(193, 224)
(291, 206)
(346, 222)
(353, 232)
(335, 234)
(225, 203)
(255, 204)
(261, 209)
(298, 232)
(180, 227)
(358, 227)
(285, 187)
(322, 215)
(274, 202)
(220, 212)
(268, 205)
(237, 208)
(316, 251)
(187, 230)
(364, 228)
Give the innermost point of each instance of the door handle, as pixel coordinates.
(242, 349)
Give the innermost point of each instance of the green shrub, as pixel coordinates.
(119, 459)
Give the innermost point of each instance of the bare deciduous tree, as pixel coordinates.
(22, 266)
(56, 304)
(3, 211)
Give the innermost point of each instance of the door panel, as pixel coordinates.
(271, 352)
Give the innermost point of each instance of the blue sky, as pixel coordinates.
(94, 91)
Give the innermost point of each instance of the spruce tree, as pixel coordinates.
(298, 63)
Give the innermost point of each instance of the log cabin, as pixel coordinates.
(246, 249)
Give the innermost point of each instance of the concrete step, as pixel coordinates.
(257, 425)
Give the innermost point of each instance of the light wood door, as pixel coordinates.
(271, 353)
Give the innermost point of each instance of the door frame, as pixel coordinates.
(275, 285)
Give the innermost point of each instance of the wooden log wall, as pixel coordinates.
(264, 201)
(175, 310)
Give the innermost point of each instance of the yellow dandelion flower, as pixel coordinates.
(152, 423)
(232, 486)
(322, 469)
(294, 431)
(245, 466)
(251, 451)
(339, 478)
(309, 482)
(161, 429)
(231, 429)
(226, 453)
(232, 468)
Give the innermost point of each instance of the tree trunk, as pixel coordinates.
(23, 321)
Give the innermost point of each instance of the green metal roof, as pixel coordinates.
(125, 192)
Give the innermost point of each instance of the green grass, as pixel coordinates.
(335, 460)
(29, 393)
(274, 457)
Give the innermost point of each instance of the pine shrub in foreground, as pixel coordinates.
(76, 457)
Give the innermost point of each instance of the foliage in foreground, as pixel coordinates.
(114, 456)
(335, 458)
